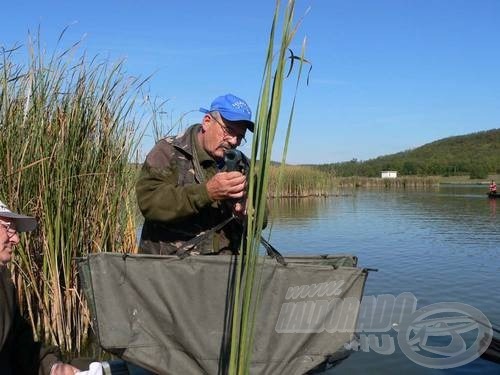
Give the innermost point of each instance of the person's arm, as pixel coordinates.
(31, 357)
(158, 196)
(161, 199)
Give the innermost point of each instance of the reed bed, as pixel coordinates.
(68, 135)
(247, 287)
(300, 181)
(399, 182)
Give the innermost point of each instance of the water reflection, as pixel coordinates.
(451, 212)
(439, 244)
(493, 208)
(293, 208)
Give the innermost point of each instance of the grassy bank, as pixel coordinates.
(305, 181)
(466, 180)
(400, 182)
(300, 181)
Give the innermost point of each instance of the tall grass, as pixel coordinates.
(247, 288)
(400, 182)
(68, 134)
(300, 181)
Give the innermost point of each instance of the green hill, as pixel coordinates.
(476, 154)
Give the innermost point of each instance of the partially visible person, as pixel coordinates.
(493, 187)
(19, 353)
(183, 191)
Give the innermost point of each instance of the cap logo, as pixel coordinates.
(240, 104)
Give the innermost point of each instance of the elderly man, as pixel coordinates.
(19, 353)
(185, 195)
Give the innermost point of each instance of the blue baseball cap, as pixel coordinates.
(232, 108)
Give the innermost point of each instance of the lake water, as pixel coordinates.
(442, 245)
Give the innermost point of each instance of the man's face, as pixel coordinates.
(8, 239)
(217, 136)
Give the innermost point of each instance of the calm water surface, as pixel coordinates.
(442, 245)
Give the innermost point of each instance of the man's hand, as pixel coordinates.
(60, 368)
(226, 185)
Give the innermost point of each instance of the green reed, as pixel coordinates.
(300, 181)
(68, 135)
(248, 287)
(400, 182)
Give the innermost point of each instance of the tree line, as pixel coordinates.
(475, 154)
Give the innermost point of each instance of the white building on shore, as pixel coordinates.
(389, 174)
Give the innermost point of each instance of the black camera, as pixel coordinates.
(235, 160)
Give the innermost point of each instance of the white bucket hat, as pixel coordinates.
(23, 223)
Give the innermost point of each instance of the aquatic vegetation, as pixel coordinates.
(68, 137)
(300, 181)
(400, 182)
(247, 285)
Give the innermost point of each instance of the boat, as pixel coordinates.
(173, 316)
(493, 194)
(492, 353)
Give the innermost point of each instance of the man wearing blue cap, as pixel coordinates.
(183, 191)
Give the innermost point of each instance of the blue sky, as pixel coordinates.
(388, 75)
